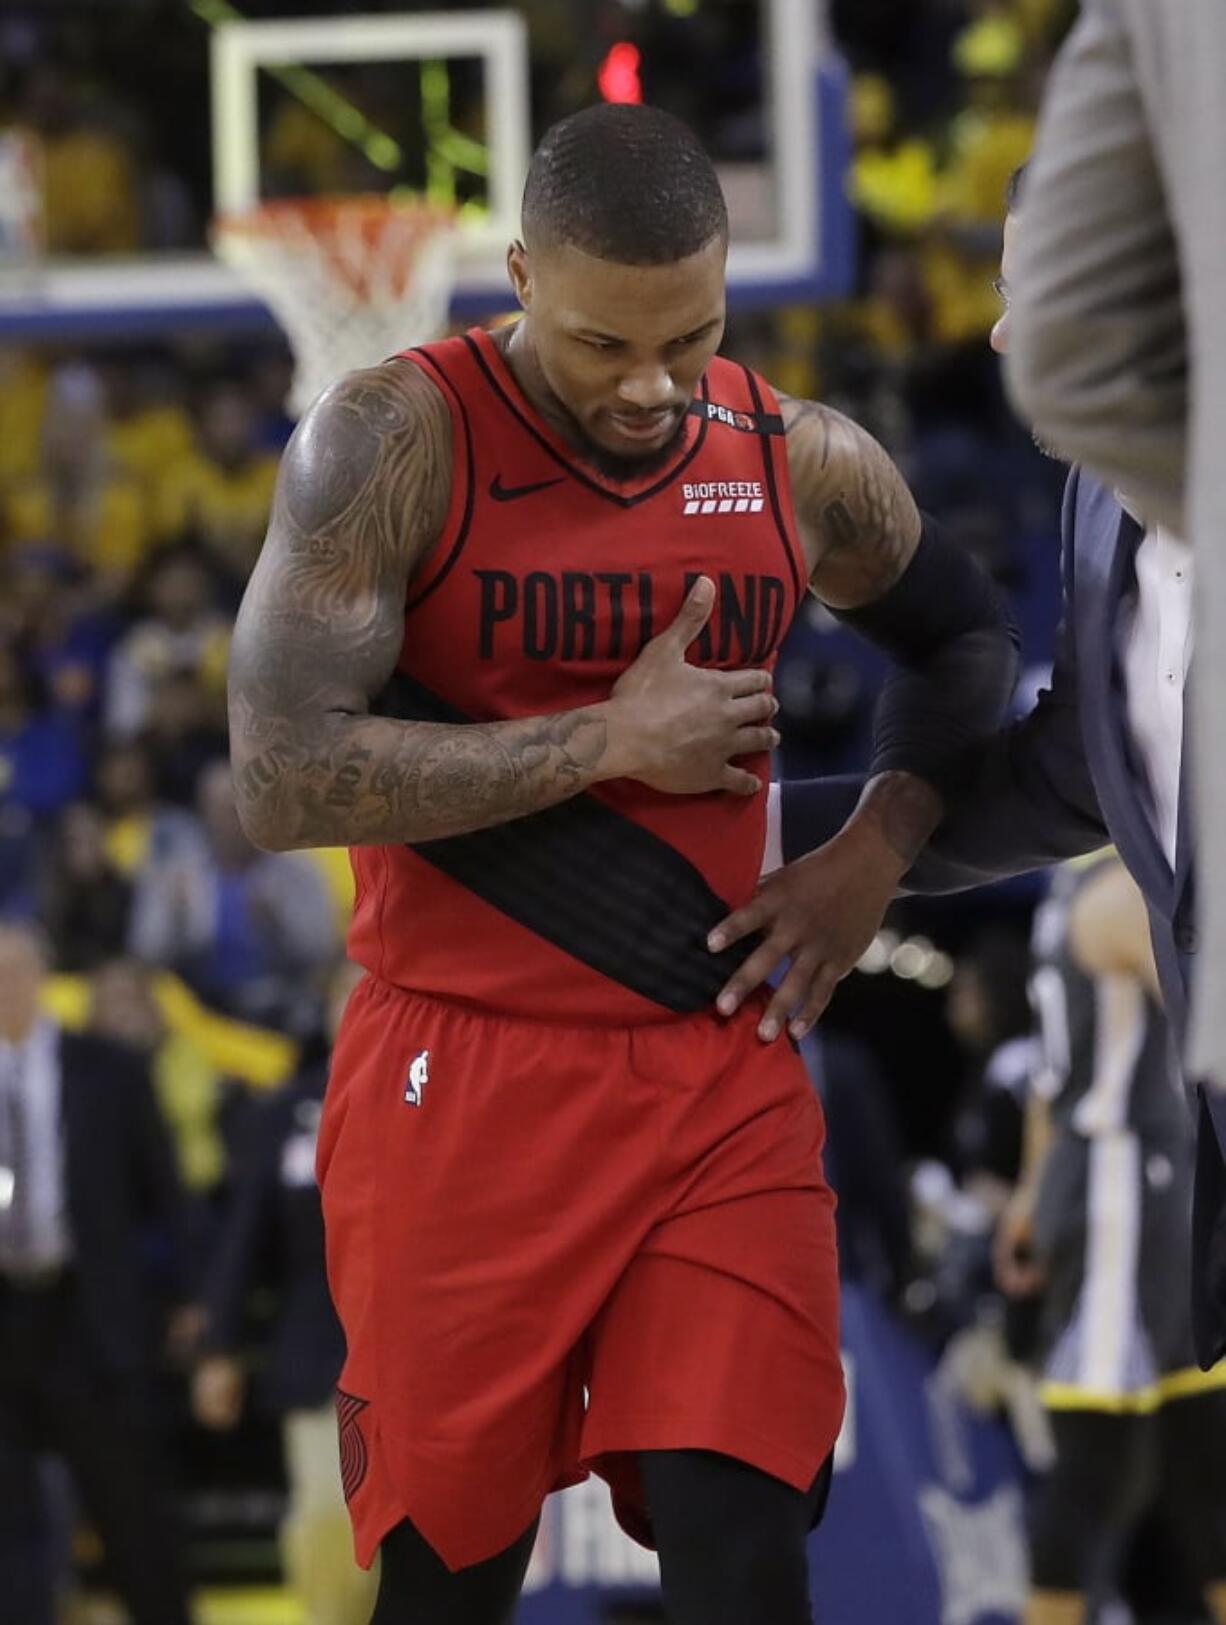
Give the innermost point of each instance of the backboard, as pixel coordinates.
(490, 46)
(469, 93)
(451, 102)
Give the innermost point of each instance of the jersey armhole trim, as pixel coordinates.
(442, 557)
(769, 423)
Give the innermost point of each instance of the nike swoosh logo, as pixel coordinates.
(512, 493)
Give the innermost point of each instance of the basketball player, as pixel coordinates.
(549, 1169)
(1100, 1225)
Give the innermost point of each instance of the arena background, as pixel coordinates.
(143, 386)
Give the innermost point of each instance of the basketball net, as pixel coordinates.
(352, 280)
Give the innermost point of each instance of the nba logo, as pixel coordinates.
(419, 1077)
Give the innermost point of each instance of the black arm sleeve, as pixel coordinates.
(1025, 799)
(955, 647)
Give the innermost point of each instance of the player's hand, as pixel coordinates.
(219, 1387)
(679, 727)
(821, 912)
(1018, 1273)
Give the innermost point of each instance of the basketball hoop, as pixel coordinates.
(352, 280)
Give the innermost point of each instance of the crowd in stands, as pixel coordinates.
(134, 497)
(129, 525)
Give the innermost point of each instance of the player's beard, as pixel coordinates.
(624, 468)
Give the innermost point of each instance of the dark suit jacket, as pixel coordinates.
(274, 1232)
(125, 1205)
(1064, 781)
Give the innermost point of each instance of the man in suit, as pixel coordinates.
(86, 1179)
(1099, 761)
(274, 1230)
(1120, 353)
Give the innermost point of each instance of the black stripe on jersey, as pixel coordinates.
(571, 467)
(732, 417)
(470, 498)
(589, 880)
(772, 486)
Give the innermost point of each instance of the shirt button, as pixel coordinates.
(1170, 676)
(1186, 939)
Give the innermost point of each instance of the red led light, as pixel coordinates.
(618, 78)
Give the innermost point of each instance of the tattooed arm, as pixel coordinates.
(928, 606)
(858, 521)
(362, 495)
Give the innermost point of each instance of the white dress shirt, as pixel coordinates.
(1155, 648)
(34, 1233)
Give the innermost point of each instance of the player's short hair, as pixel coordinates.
(1013, 187)
(626, 183)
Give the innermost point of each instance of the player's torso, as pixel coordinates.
(545, 585)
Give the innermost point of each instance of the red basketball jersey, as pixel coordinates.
(545, 584)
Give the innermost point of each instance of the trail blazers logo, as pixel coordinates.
(418, 1078)
(703, 497)
(354, 1457)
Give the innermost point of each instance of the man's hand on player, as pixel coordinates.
(679, 727)
(821, 912)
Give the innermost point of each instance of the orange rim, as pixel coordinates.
(348, 232)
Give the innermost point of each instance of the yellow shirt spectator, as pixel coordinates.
(188, 1089)
(221, 490)
(892, 179)
(987, 146)
(190, 1049)
(89, 194)
(148, 441)
(106, 527)
(235, 1049)
(127, 841)
(23, 402)
(896, 186)
(77, 498)
(226, 508)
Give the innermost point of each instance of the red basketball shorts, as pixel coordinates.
(552, 1247)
